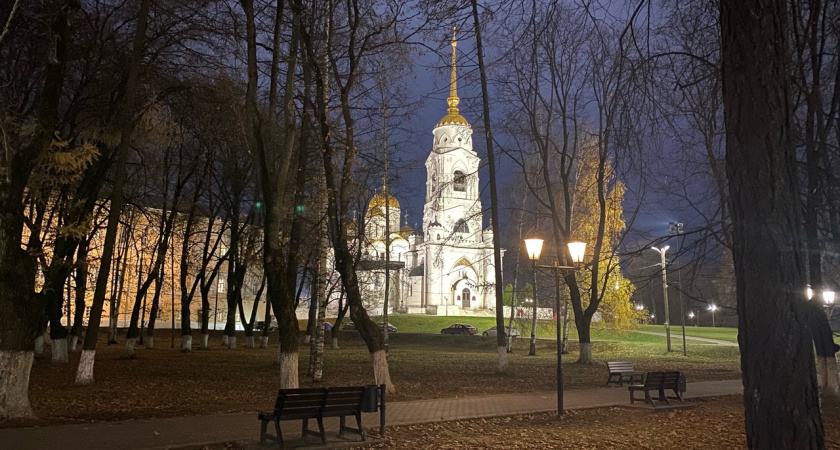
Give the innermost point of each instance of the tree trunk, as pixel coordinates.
(14, 384)
(280, 264)
(205, 341)
(585, 341)
(501, 338)
(39, 345)
(186, 343)
(263, 341)
(59, 351)
(84, 375)
(19, 306)
(72, 343)
(129, 347)
(381, 373)
(80, 294)
(777, 360)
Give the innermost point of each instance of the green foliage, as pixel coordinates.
(508, 294)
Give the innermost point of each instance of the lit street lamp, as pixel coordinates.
(691, 316)
(576, 251)
(665, 293)
(827, 294)
(676, 228)
(713, 308)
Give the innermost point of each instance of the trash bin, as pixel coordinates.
(370, 402)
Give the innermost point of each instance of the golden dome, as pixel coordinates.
(376, 207)
(406, 230)
(453, 119)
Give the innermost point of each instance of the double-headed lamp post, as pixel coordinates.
(828, 297)
(713, 308)
(577, 250)
(665, 293)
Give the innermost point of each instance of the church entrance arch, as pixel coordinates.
(464, 293)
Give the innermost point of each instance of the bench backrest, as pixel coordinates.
(620, 366)
(300, 403)
(343, 400)
(654, 379)
(670, 380)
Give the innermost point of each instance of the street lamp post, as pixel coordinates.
(665, 293)
(532, 350)
(576, 251)
(691, 316)
(713, 308)
(676, 228)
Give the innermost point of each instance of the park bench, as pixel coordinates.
(659, 382)
(621, 371)
(318, 403)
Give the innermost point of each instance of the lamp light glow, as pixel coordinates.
(577, 249)
(534, 247)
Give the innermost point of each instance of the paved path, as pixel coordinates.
(189, 431)
(678, 335)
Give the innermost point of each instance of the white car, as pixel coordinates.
(491, 332)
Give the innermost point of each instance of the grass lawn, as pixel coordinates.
(546, 328)
(164, 382)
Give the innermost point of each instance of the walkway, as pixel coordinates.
(198, 430)
(678, 335)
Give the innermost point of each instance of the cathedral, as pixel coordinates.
(447, 269)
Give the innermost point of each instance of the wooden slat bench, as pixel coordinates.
(659, 382)
(621, 371)
(314, 403)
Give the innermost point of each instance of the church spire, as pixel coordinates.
(453, 117)
(453, 99)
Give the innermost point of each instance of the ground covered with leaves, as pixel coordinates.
(715, 423)
(164, 382)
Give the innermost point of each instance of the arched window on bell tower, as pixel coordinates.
(461, 226)
(460, 181)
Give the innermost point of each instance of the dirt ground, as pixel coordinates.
(164, 382)
(706, 424)
(715, 423)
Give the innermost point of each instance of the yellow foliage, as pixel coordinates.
(62, 165)
(616, 291)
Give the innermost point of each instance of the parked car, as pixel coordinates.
(260, 325)
(391, 328)
(352, 326)
(460, 328)
(491, 332)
